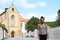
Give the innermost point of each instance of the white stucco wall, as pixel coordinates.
(1, 33)
(23, 29)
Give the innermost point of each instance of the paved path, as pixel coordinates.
(22, 38)
(54, 34)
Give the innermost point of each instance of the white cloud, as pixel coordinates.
(25, 4)
(51, 17)
(5, 1)
(30, 15)
(41, 3)
(30, 5)
(1, 11)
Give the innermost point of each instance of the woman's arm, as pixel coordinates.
(38, 30)
(47, 30)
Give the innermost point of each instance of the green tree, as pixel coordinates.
(4, 28)
(32, 24)
(52, 24)
(58, 19)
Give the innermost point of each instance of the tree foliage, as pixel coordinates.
(3, 27)
(58, 18)
(52, 24)
(32, 24)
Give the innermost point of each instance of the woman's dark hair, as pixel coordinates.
(42, 17)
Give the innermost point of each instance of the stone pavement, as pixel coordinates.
(21, 38)
(54, 34)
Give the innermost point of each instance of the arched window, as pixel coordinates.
(12, 9)
(12, 21)
(12, 17)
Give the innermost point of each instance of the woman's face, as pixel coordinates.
(42, 20)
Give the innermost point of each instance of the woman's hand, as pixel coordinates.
(38, 36)
(47, 36)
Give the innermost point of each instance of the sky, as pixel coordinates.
(37, 8)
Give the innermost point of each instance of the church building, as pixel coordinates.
(12, 20)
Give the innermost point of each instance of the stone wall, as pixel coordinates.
(31, 34)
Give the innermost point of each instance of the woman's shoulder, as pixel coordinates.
(39, 25)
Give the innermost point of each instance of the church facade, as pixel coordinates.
(12, 20)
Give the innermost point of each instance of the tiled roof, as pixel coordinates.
(25, 20)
